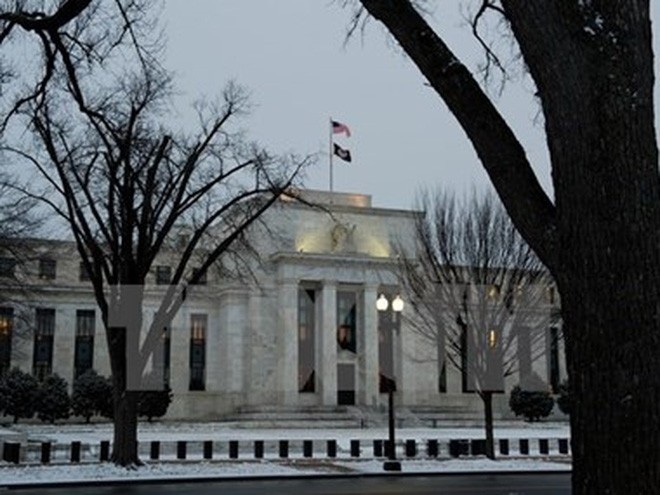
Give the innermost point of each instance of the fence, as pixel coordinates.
(76, 452)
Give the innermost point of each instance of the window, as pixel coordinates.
(83, 273)
(553, 359)
(47, 268)
(202, 278)
(84, 346)
(197, 351)
(163, 275)
(306, 340)
(346, 320)
(7, 266)
(6, 330)
(42, 358)
(161, 358)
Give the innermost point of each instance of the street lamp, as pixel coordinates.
(382, 304)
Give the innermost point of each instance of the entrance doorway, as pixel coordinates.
(345, 384)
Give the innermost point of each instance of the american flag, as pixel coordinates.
(339, 128)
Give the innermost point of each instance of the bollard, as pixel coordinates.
(355, 448)
(308, 448)
(208, 449)
(478, 447)
(524, 446)
(75, 451)
(459, 447)
(104, 455)
(378, 448)
(284, 448)
(45, 452)
(504, 446)
(11, 452)
(258, 449)
(389, 446)
(181, 447)
(411, 448)
(432, 448)
(154, 455)
(563, 446)
(233, 449)
(332, 448)
(543, 446)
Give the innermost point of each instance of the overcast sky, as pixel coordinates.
(291, 55)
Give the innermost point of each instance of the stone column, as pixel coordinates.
(369, 348)
(328, 344)
(287, 342)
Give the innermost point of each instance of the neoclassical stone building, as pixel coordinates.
(303, 331)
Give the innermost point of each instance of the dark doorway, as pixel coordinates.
(346, 384)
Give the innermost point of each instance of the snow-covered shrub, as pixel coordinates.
(20, 394)
(54, 401)
(531, 399)
(154, 404)
(92, 395)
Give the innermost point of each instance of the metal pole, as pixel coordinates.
(390, 402)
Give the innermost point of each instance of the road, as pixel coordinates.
(491, 484)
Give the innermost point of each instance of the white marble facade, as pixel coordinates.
(252, 339)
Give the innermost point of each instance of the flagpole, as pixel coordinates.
(330, 152)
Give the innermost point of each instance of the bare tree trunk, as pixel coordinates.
(487, 398)
(125, 445)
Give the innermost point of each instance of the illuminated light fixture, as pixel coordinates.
(397, 304)
(492, 339)
(382, 303)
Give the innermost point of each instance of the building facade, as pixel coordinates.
(302, 330)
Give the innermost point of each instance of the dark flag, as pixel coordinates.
(342, 153)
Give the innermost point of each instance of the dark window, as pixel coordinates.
(83, 273)
(161, 357)
(47, 268)
(6, 330)
(44, 331)
(346, 321)
(465, 388)
(163, 275)
(197, 351)
(84, 346)
(306, 340)
(7, 266)
(553, 364)
(202, 278)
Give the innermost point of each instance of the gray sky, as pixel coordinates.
(291, 55)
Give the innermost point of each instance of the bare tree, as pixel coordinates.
(478, 293)
(592, 64)
(131, 189)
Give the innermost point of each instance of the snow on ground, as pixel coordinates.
(235, 469)
(246, 466)
(171, 431)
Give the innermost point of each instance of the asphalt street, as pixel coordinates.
(490, 484)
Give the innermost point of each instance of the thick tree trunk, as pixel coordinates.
(123, 345)
(614, 364)
(125, 444)
(487, 398)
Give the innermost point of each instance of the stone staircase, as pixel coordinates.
(328, 417)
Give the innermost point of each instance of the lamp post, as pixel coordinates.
(394, 324)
